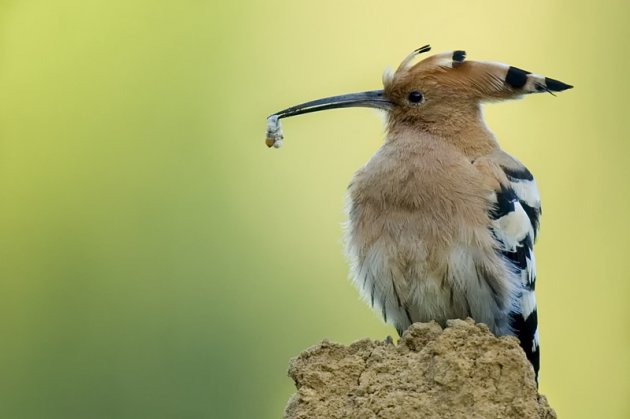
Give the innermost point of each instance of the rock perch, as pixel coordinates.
(463, 371)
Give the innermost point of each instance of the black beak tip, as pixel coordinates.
(556, 85)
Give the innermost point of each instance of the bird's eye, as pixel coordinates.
(415, 97)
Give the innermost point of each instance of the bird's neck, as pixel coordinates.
(464, 129)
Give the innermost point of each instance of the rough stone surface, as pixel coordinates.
(463, 371)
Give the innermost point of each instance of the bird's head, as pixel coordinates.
(441, 90)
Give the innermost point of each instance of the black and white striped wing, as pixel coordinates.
(515, 221)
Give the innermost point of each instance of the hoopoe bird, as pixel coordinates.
(441, 221)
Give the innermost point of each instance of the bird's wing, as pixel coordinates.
(515, 221)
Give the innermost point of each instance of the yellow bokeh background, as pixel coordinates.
(158, 261)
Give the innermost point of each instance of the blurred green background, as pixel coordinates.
(158, 261)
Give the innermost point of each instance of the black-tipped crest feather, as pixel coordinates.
(424, 48)
(459, 56)
(556, 85)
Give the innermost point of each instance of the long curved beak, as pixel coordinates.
(369, 99)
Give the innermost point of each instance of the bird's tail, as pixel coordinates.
(526, 328)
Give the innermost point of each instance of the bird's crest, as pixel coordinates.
(454, 76)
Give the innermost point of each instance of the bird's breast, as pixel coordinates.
(417, 229)
(428, 192)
